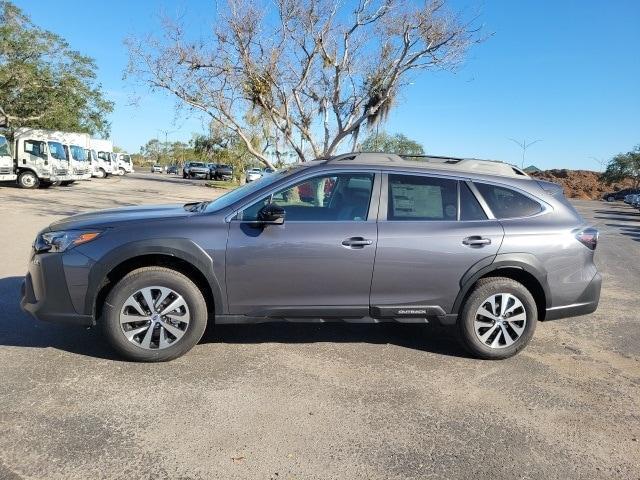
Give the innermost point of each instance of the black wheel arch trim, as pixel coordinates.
(522, 261)
(180, 248)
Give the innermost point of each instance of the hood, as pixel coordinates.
(117, 216)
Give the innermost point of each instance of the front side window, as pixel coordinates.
(104, 156)
(419, 198)
(4, 146)
(57, 150)
(507, 203)
(34, 147)
(335, 197)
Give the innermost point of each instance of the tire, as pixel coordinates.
(184, 175)
(495, 346)
(143, 278)
(611, 199)
(28, 179)
(122, 172)
(102, 173)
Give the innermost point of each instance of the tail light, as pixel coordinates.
(588, 237)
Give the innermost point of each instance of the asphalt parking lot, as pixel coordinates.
(316, 401)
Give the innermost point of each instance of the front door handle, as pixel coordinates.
(356, 242)
(476, 241)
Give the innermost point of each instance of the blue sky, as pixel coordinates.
(566, 72)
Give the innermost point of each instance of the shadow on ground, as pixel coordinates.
(18, 329)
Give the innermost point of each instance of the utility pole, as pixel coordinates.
(524, 146)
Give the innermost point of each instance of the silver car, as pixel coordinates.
(472, 244)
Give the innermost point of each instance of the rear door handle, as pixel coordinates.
(476, 241)
(356, 242)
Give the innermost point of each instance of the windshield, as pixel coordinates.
(197, 164)
(78, 153)
(4, 147)
(248, 188)
(57, 151)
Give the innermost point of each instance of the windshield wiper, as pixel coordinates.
(195, 206)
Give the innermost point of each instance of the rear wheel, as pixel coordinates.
(28, 179)
(154, 314)
(498, 318)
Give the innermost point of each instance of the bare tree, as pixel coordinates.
(317, 71)
(524, 146)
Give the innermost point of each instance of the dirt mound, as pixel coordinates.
(582, 184)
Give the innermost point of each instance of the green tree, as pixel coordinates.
(622, 166)
(398, 143)
(43, 82)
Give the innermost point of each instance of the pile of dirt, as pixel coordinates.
(582, 184)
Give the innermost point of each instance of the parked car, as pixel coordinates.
(223, 172)
(172, 170)
(471, 243)
(634, 201)
(620, 194)
(212, 170)
(156, 169)
(195, 170)
(253, 174)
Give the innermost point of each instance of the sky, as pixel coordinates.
(564, 72)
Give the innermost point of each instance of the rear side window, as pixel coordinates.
(507, 203)
(470, 208)
(413, 197)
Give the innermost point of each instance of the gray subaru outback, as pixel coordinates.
(365, 237)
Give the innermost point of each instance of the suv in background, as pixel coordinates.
(475, 244)
(156, 169)
(223, 172)
(195, 170)
(620, 194)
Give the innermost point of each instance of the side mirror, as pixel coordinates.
(271, 214)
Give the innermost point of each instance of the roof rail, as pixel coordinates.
(471, 165)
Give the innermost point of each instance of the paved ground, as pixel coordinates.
(294, 401)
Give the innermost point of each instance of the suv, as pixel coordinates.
(195, 170)
(471, 243)
(620, 194)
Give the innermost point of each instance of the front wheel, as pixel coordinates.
(102, 173)
(122, 172)
(498, 318)
(154, 314)
(28, 179)
(611, 199)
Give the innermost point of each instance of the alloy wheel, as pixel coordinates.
(154, 318)
(500, 320)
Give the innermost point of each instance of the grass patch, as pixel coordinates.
(227, 185)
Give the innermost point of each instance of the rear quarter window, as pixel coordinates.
(507, 203)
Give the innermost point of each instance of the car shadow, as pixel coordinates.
(19, 329)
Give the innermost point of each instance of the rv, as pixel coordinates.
(7, 168)
(40, 158)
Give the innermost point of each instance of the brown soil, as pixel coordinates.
(582, 184)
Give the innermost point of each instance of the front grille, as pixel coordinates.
(60, 171)
(5, 170)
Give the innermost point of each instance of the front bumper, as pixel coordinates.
(8, 178)
(585, 304)
(199, 174)
(54, 289)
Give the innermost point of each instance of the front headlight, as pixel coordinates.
(63, 240)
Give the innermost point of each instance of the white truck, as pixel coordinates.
(7, 167)
(106, 157)
(76, 145)
(40, 158)
(125, 164)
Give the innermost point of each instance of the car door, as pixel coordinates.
(319, 262)
(431, 231)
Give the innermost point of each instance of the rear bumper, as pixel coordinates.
(45, 293)
(585, 304)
